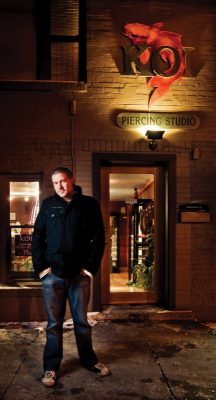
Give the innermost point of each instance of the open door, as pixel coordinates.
(132, 202)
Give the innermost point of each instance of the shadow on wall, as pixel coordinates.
(178, 20)
(22, 304)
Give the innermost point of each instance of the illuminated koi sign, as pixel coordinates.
(157, 54)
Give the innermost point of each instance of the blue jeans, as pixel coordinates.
(56, 292)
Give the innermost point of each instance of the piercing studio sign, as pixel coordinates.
(157, 120)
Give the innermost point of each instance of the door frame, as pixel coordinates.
(168, 162)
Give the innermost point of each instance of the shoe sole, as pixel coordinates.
(48, 384)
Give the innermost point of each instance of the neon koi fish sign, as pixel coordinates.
(157, 54)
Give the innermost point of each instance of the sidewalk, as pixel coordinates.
(149, 361)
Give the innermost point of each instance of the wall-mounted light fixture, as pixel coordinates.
(153, 136)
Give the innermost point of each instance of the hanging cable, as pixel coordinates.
(72, 111)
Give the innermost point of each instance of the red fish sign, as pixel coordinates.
(163, 50)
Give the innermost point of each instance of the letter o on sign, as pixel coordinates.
(156, 56)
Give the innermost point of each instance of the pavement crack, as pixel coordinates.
(10, 383)
(36, 336)
(166, 380)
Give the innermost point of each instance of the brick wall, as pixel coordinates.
(110, 92)
(37, 133)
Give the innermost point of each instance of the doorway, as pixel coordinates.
(138, 206)
(132, 230)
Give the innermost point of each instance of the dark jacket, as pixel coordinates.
(68, 236)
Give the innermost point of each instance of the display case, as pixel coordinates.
(141, 226)
(114, 233)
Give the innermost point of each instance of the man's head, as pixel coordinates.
(63, 182)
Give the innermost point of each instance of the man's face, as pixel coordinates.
(63, 185)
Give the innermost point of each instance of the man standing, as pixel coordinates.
(67, 248)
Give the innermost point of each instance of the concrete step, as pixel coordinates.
(141, 313)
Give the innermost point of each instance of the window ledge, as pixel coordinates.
(62, 87)
(24, 284)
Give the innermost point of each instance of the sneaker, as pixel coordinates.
(49, 378)
(101, 369)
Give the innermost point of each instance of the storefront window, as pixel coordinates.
(24, 206)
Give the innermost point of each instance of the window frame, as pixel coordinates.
(6, 273)
(45, 39)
